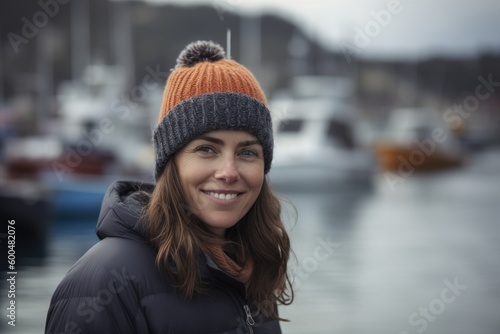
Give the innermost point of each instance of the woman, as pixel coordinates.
(204, 249)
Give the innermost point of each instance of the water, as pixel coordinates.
(397, 254)
(419, 258)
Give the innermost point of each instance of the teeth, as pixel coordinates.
(222, 196)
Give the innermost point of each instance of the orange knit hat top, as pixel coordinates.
(210, 76)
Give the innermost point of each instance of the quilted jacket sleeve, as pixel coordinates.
(96, 297)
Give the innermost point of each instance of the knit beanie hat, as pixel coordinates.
(207, 92)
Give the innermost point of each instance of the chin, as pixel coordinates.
(220, 222)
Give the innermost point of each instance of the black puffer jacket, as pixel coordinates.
(116, 288)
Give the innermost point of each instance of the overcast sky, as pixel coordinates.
(413, 28)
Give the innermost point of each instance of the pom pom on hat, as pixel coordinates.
(200, 51)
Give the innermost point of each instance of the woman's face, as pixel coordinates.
(221, 173)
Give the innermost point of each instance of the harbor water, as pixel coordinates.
(412, 254)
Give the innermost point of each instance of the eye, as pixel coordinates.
(249, 153)
(204, 150)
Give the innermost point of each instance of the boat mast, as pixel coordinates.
(80, 37)
(44, 79)
(121, 40)
(250, 43)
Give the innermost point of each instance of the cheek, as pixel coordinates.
(194, 178)
(255, 178)
(191, 175)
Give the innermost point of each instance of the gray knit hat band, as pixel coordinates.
(208, 112)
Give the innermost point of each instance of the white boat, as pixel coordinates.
(316, 146)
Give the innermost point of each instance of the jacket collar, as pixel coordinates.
(121, 211)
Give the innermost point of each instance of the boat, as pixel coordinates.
(101, 140)
(417, 140)
(98, 134)
(316, 146)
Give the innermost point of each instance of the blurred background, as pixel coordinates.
(387, 134)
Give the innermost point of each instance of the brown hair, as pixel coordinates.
(178, 237)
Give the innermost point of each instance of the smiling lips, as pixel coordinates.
(222, 196)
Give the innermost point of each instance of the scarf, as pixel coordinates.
(228, 265)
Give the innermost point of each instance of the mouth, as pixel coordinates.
(223, 196)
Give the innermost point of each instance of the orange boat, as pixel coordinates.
(393, 157)
(417, 140)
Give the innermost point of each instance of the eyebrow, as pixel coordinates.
(221, 142)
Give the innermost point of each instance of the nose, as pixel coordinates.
(227, 170)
